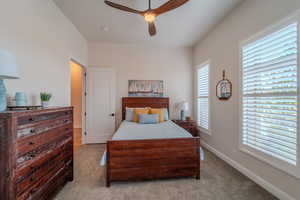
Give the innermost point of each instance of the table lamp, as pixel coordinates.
(183, 107)
(8, 70)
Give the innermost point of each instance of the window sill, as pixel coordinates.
(272, 161)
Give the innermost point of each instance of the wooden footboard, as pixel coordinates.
(133, 160)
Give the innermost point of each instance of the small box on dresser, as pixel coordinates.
(36, 153)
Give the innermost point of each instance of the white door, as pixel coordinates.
(100, 105)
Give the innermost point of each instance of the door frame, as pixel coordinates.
(113, 95)
(84, 102)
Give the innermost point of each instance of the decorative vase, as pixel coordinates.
(21, 99)
(3, 100)
(45, 104)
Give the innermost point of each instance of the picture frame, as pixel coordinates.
(145, 88)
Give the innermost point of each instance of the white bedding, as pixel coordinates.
(136, 131)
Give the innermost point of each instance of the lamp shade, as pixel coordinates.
(183, 106)
(8, 66)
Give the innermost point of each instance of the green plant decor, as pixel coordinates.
(45, 97)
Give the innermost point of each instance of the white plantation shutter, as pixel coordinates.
(203, 96)
(270, 94)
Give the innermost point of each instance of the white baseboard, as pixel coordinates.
(260, 181)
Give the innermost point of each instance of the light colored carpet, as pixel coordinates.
(218, 181)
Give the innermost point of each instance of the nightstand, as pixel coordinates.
(190, 126)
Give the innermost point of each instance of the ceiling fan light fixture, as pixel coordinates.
(149, 17)
(150, 14)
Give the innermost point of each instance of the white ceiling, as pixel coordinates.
(181, 27)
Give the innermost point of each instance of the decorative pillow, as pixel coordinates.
(138, 111)
(160, 112)
(148, 118)
(129, 114)
(166, 114)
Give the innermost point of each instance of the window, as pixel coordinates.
(203, 97)
(269, 98)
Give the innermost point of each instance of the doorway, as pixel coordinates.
(78, 101)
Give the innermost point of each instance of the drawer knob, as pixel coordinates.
(32, 155)
(33, 191)
(31, 119)
(31, 143)
(32, 131)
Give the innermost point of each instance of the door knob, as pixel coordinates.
(112, 114)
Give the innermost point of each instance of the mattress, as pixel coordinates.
(136, 131)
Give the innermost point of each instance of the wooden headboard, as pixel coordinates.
(142, 102)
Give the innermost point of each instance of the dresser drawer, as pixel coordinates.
(36, 129)
(37, 189)
(31, 177)
(32, 119)
(48, 189)
(35, 141)
(192, 130)
(190, 126)
(24, 172)
(49, 167)
(32, 156)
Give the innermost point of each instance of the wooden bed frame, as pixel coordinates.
(134, 160)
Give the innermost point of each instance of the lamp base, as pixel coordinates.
(182, 115)
(3, 100)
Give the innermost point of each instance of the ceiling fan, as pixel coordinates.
(150, 14)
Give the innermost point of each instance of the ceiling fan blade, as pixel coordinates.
(170, 5)
(152, 28)
(124, 8)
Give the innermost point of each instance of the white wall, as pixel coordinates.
(221, 46)
(173, 65)
(43, 40)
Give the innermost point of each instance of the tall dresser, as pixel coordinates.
(36, 153)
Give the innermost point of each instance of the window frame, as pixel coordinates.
(282, 165)
(202, 129)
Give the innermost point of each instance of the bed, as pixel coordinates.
(153, 151)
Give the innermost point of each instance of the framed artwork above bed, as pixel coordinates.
(145, 88)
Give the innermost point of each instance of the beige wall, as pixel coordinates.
(173, 65)
(221, 47)
(77, 74)
(43, 40)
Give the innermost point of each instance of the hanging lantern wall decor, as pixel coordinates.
(224, 88)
